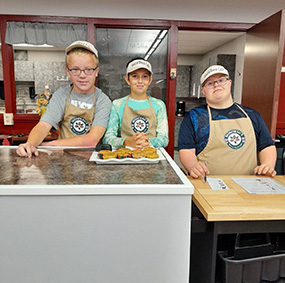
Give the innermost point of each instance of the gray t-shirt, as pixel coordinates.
(55, 109)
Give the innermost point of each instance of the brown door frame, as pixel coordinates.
(173, 47)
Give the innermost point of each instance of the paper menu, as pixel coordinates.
(217, 184)
(260, 185)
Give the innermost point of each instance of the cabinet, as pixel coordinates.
(59, 76)
(178, 122)
(24, 71)
(43, 75)
(46, 73)
(197, 71)
(183, 81)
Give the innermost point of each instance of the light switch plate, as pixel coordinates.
(8, 119)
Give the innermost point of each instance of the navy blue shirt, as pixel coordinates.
(194, 131)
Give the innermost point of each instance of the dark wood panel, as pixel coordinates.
(23, 123)
(280, 130)
(171, 87)
(8, 72)
(262, 68)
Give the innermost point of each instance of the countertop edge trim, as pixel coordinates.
(130, 189)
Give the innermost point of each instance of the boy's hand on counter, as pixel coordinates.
(265, 169)
(198, 170)
(27, 150)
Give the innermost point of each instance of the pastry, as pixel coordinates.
(110, 154)
(123, 154)
(123, 149)
(137, 153)
(152, 155)
(102, 152)
(150, 150)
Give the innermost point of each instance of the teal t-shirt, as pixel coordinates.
(113, 132)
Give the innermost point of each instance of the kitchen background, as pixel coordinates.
(40, 66)
(33, 71)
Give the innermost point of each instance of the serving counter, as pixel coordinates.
(64, 218)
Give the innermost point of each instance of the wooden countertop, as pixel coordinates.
(237, 204)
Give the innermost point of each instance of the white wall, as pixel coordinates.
(188, 60)
(252, 11)
(234, 47)
(46, 56)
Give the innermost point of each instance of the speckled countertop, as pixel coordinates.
(66, 167)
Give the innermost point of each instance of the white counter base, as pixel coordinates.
(122, 239)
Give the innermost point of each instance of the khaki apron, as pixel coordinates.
(143, 120)
(231, 148)
(76, 121)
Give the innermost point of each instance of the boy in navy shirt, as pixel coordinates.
(223, 137)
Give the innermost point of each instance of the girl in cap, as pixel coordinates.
(138, 120)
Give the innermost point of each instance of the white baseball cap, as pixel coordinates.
(82, 44)
(139, 64)
(212, 70)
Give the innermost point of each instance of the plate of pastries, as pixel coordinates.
(128, 155)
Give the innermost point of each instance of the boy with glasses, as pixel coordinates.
(223, 137)
(80, 110)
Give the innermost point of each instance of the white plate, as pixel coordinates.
(94, 157)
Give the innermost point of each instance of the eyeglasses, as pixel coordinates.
(220, 81)
(77, 72)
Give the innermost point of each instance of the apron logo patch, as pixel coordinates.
(234, 139)
(140, 124)
(79, 126)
